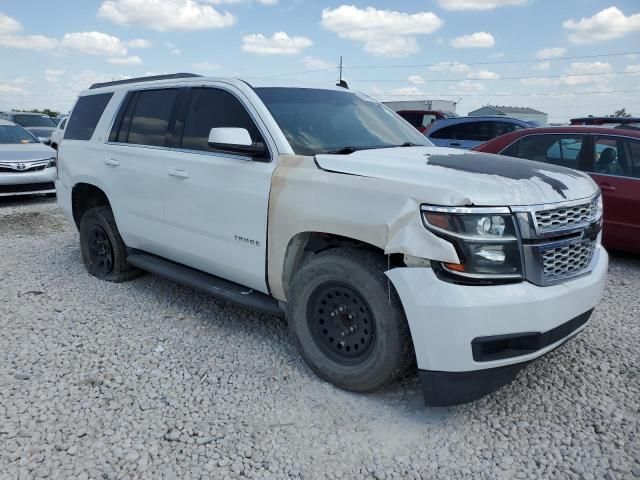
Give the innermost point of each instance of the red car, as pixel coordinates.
(610, 156)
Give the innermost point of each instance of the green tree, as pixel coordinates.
(621, 113)
(44, 111)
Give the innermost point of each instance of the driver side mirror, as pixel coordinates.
(236, 140)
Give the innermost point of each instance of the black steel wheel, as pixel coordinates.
(341, 322)
(347, 320)
(100, 249)
(103, 251)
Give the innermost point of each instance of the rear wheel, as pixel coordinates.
(347, 320)
(102, 248)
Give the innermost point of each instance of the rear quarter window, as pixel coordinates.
(86, 115)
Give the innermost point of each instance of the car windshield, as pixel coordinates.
(34, 120)
(11, 134)
(330, 121)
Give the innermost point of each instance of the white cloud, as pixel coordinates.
(483, 75)
(582, 70)
(607, 24)
(29, 42)
(542, 66)
(53, 75)
(467, 87)
(278, 44)
(407, 91)
(551, 52)
(416, 79)
(206, 66)
(94, 43)
(596, 74)
(139, 43)
(383, 32)
(474, 40)
(132, 60)
(538, 82)
(173, 49)
(9, 24)
(164, 15)
(454, 67)
(478, 4)
(392, 47)
(314, 63)
(633, 69)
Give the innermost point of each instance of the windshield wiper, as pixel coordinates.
(348, 150)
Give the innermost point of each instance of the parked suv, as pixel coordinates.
(382, 250)
(469, 132)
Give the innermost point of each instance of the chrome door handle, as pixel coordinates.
(454, 144)
(605, 187)
(112, 162)
(178, 173)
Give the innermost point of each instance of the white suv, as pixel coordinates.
(382, 250)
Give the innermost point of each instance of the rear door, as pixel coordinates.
(135, 165)
(616, 169)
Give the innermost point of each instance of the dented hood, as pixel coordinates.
(465, 177)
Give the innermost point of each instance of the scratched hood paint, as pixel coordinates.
(471, 178)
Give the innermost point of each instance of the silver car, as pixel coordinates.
(26, 165)
(42, 126)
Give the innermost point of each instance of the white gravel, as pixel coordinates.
(151, 380)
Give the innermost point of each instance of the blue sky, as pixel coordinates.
(451, 49)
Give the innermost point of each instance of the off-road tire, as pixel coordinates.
(99, 221)
(358, 271)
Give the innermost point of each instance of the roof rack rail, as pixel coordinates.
(151, 78)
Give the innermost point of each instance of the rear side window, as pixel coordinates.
(212, 108)
(146, 118)
(558, 150)
(446, 132)
(85, 116)
(474, 131)
(501, 128)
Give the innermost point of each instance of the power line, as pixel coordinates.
(450, 64)
(427, 80)
(540, 94)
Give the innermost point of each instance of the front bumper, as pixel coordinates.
(25, 183)
(445, 319)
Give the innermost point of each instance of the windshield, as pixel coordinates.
(34, 120)
(11, 134)
(329, 121)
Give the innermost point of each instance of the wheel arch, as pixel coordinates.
(304, 245)
(85, 196)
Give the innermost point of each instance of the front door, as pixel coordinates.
(616, 169)
(216, 202)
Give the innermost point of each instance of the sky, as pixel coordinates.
(566, 58)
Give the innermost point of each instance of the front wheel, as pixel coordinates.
(103, 251)
(347, 320)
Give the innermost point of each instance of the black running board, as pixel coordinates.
(218, 287)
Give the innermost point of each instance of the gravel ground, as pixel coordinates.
(151, 380)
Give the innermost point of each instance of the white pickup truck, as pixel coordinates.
(320, 203)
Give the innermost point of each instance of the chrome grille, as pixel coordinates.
(568, 260)
(565, 217)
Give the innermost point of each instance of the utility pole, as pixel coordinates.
(341, 82)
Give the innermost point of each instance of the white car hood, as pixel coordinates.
(25, 152)
(454, 177)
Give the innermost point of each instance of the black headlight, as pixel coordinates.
(486, 240)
